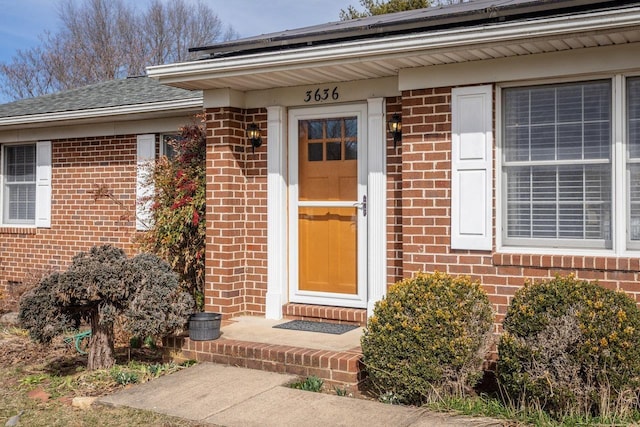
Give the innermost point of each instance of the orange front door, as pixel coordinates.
(327, 199)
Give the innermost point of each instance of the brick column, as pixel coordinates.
(236, 252)
(226, 216)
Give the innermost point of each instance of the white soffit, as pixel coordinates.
(376, 58)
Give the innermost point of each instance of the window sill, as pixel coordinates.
(567, 262)
(18, 230)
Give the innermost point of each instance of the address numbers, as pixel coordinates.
(322, 94)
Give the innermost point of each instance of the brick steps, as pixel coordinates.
(340, 368)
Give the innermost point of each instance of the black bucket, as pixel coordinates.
(204, 326)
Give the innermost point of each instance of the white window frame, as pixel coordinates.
(3, 205)
(619, 200)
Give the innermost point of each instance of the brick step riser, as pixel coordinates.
(335, 368)
(318, 313)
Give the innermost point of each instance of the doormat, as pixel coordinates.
(325, 328)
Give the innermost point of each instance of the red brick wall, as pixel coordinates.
(236, 256)
(79, 220)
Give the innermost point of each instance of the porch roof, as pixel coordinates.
(380, 46)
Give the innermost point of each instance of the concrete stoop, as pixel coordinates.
(340, 368)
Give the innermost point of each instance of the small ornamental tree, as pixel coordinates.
(99, 286)
(177, 233)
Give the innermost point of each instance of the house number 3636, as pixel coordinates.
(320, 95)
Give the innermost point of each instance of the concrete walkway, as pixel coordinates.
(229, 396)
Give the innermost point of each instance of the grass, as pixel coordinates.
(60, 373)
(57, 411)
(491, 406)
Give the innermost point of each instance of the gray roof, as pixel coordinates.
(472, 12)
(113, 93)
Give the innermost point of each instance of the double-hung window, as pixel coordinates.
(25, 184)
(557, 165)
(19, 184)
(564, 182)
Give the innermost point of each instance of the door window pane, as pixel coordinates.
(333, 151)
(315, 152)
(315, 129)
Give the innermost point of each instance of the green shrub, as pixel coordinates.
(571, 347)
(124, 378)
(428, 338)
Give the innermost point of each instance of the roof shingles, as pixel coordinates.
(113, 93)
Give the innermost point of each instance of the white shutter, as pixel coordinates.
(146, 153)
(472, 170)
(43, 184)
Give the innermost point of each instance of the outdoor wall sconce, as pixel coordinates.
(253, 134)
(395, 128)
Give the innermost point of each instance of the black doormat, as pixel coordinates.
(325, 328)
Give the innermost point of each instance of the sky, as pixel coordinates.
(23, 21)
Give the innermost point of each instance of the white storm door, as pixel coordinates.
(328, 205)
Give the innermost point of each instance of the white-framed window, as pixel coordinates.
(19, 184)
(561, 170)
(25, 184)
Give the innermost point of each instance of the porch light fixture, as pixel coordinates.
(253, 134)
(395, 128)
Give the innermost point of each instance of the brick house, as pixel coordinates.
(519, 156)
(69, 169)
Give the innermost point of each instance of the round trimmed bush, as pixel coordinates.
(428, 338)
(571, 347)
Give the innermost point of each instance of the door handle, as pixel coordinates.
(362, 205)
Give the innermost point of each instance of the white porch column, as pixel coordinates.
(277, 282)
(377, 202)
